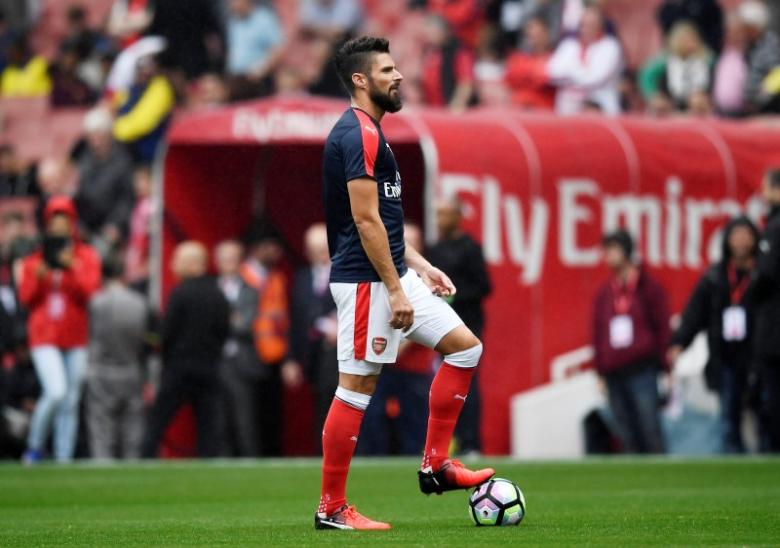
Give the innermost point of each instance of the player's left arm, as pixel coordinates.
(434, 278)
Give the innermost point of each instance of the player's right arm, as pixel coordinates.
(364, 203)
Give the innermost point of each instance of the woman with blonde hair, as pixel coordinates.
(688, 75)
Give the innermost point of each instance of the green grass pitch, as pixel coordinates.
(602, 502)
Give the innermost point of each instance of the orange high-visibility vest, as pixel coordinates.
(273, 319)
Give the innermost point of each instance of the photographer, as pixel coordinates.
(56, 284)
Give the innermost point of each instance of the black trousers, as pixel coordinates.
(770, 381)
(269, 418)
(240, 412)
(179, 386)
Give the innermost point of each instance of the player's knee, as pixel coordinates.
(358, 400)
(465, 358)
(363, 384)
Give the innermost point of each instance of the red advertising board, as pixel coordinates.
(539, 192)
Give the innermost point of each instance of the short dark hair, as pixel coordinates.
(773, 175)
(113, 268)
(620, 238)
(76, 14)
(356, 55)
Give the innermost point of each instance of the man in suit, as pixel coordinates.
(196, 325)
(313, 324)
(240, 365)
(460, 256)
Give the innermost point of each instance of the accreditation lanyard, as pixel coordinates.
(624, 293)
(737, 289)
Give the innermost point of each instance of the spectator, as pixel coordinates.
(13, 246)
(78, 35)
(464, 17)
(313, 328)
(123, 72)
(526, 71)
(115, 378)
(630, 331)
(706, 15)
(490, 89)
(128, 20)
(7, 35)
(195, 328)
(395, 422)
(770, 92)
(330, 19)
(144, 116)
(210, 91)
(320, 71)
(457, 254)
(194, 41)
(16, 180)
(587, 69)
(68, 89)
(731, 71)
(767, 349)
(723, 304)
(763, 50)
(86, 45)
(261, 271)
(255, 44)
(240, 368)
(137, 258)
(55, 286)
(687, 70)
(448, 68)
(26, 74)
(515, 16)
(55, 177)
(104, 198)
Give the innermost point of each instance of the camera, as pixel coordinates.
(52, 247)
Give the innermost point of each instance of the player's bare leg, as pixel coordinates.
(461, 350)
(339, 438)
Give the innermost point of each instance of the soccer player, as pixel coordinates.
(383, 290)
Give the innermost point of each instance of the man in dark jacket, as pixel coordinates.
(630, 331)
(723, 304)
(767, 338)
(196, 325)
(313, 326)
(457, 254)
(105, 198)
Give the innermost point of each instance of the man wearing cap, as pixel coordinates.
(630, 332)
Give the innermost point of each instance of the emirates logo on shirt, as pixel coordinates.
(378, 344)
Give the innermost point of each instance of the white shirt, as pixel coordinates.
(589, 75)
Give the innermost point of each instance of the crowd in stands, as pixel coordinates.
(716, 57)
(127, 66)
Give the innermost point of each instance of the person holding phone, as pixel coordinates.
(55, 286)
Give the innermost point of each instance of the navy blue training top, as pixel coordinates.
(356, 148)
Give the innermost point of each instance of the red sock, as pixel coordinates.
(339, 437)
(448, 394)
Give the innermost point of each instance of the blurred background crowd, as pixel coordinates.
(88, 89)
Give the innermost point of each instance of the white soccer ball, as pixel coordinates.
(497, 502)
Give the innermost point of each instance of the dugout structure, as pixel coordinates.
(538, 192)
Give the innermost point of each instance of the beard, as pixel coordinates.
(388, 102)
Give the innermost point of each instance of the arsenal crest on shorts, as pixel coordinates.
(378, 344)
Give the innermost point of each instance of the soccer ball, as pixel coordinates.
(497, 502)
